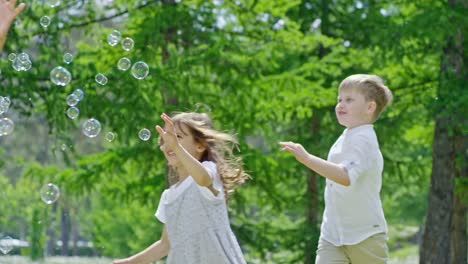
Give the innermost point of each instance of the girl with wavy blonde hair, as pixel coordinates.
(203, 172)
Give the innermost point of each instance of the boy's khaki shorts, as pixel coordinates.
(373, 250)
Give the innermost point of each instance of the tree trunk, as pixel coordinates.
(312, 230)
(436, 239)
(445, 232)
(65, 234)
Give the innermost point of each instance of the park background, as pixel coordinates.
(266, 70)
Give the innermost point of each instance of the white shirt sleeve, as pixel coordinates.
(217, 183)
(161, 211)
(356, 150)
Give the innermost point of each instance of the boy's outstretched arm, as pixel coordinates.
(323, 167)
(156, 251)
(8, 12)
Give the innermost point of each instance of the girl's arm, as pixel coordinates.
(196, 169)
(8, 12)
(156, 251)
(323, 167)
(190, 163)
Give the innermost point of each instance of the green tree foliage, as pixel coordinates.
(265, 70)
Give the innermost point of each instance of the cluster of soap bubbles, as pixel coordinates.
(72, 100)
(6, 245)
(140, 69)
(6, 124)
(20, 62)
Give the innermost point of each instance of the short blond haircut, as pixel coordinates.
(372, 88)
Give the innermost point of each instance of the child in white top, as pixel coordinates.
(193, 209)
(8, 12)
(353, 228)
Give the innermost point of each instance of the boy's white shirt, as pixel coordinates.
(170, 194)
(354, 213)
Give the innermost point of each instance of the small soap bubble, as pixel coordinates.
(6, 245)
(22, 63)
(110, 136)
(23, 56)
(50, 193)
(114, 38)
(11, 57)
(144, 134)
(79, 94)
(6, 126)
(72, 100)
(67, 58)
(101, 79)
(44, 21)
(124, 64)
(140, 70)
(91, 128)
(127, 44)
(73, 112)
(52, 3)
(60, 76)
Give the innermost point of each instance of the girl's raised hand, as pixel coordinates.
(168, 133)
(8, 11)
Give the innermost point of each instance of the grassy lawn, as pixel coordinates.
(54, 260)
(402, 245)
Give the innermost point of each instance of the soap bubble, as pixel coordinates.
(63, 147)
(6, 126)
(22, 56)
(11, 56)
(140, 70)
(124, 64)
(50, 193)
(91, 128)
(72, 100)
(101, 79)
(114, 38)
(52, 3)
(127, 44)
(110, 136)
(4, 104)
(79, 94)
(44, 21)
(73, 112)
(60, 76)
(67, 58)
(144, 134)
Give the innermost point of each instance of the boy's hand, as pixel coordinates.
(296, 149)
(168, 133)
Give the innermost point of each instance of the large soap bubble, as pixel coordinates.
(60, 76)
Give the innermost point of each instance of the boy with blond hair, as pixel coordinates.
(353, 227)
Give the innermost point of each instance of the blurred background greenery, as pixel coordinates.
(265, 70)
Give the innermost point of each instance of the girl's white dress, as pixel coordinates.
(197, 223)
